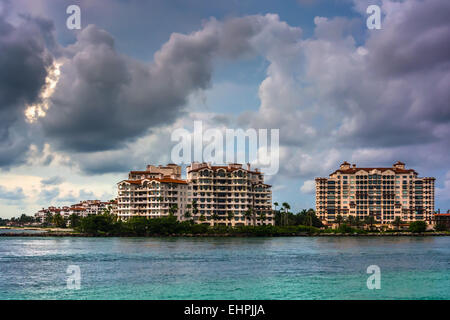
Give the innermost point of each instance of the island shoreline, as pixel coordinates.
(81, 235)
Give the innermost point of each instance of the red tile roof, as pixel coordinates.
(215, 168)
(163, 180)
(354, 170)
(143, 172)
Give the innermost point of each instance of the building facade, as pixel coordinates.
(229, 195)
(384, 193)
(442, 219)
(152, 198)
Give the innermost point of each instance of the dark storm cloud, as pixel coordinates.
(413, 39)
(104, 99)
(24, 60)
(411, 55)
(394, 91)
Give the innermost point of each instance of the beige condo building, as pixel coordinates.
(229, 195)
(384, 193)
(155, 192)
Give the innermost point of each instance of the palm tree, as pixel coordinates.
(309, 214)
(274, 212)
(370, 220)
(58, 220)
(194, 207)
(286, 207)
(230, 215)
(358, 222)
(338, 220)
(275, 204)
(187, 214)
(214, 216)
(262, 216)
(248, 214)
(351, 220)
(397, 222)
(173, 209)
(48, 217)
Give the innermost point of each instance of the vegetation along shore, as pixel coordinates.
(302, 224)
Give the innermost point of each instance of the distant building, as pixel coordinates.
(384, 193)
(210, 194)
(442, 219)
(81, 209)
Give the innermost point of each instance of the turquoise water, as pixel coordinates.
(225, 268)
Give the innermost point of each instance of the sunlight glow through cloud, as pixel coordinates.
(38, 110)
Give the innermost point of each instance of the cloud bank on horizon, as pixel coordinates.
(341, 93)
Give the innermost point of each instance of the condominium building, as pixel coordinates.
(384, 193)
(230, 194)
(152, 197)
(154, 192)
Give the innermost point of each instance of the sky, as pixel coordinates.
(81, 108)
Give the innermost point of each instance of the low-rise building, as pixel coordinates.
(442, 219)
(81, 209)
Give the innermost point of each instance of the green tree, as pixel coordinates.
(248, 214)
(58, 221)
(262, 216)
(418, 226)
(286, 207)
(369, 220)
(351, 220)
(74, 220)
(339, 220)
(100, 224)
(215, 217)
(173, 209)
(194, 207)
(358, 222)
(310, 214)
(24, 219)
(48, 218)
(230, 215)
(138, 225)
(187, 214)
(397, 222)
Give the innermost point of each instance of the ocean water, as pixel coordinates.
(225, 268)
